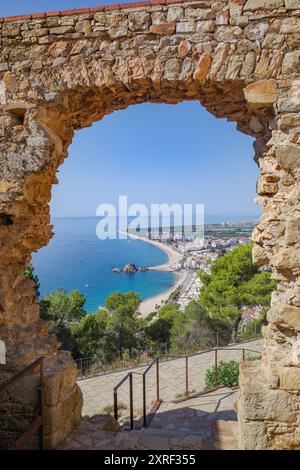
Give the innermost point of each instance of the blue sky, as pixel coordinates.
(156, 153)
(19, 7)
(153, 153)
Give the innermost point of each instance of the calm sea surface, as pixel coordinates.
(76, 259)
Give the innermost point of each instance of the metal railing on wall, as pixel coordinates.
(38, 422)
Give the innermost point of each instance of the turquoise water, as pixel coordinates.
(76, 259)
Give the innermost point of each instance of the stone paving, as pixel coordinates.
(204, 423)
(98, 390)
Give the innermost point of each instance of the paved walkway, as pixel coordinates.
(204, 423)
(98, 390)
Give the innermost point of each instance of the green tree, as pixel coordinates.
(257, 291)
(59, 308)
(124, 326)
(159, 330)
(234, 282)
(194, 329)
(65, 336)
(29, 272)
(89, 334)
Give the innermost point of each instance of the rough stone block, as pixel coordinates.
(292, 4)
(175, 14)
(290, 25)
(253, 5)
(290, 377)
(165, 29)
(287, 316)
(288, 156)
(257, 402)
(261, 94)
(291, 61)
(253, 435)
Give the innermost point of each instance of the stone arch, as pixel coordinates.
(62, 71)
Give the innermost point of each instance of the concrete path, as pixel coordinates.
(98, 391)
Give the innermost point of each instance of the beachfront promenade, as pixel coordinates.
(98, 390)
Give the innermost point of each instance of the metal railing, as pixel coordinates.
(146, 418)
(38, 423)
(157, 402)
(115, 361)
(111, 362)
(116, 414)
(216, 363)
(187, 395)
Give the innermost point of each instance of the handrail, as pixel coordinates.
(38, 422)
(149, 366)
(129, 375)
(158, 400)
(122, 381)
(10, 383)
(187, 392)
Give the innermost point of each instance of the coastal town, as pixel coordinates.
(186, 256)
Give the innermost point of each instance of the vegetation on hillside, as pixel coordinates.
(233, 283)
(118, 328)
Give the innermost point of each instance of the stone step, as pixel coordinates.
(87, 435)
(163, 440)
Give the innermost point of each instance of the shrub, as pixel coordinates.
(253, 358)
(109, 409)
(228, 375)
(183, 394)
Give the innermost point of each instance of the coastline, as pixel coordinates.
(173, 255)
(149, 305)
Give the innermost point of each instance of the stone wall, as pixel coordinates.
(62, 71)
(63, 404)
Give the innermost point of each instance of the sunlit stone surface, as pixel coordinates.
(62, 72)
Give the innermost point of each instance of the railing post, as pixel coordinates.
(186, 376)
(157, 379)
(216, 367)
(131, 401)
(144, 401)
(116, 405)
(243, 354)
(42, 402)
(217, 339)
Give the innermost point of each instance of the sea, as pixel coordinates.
(76, 259)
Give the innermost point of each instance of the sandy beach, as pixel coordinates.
(148, 305)
(173, 255)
